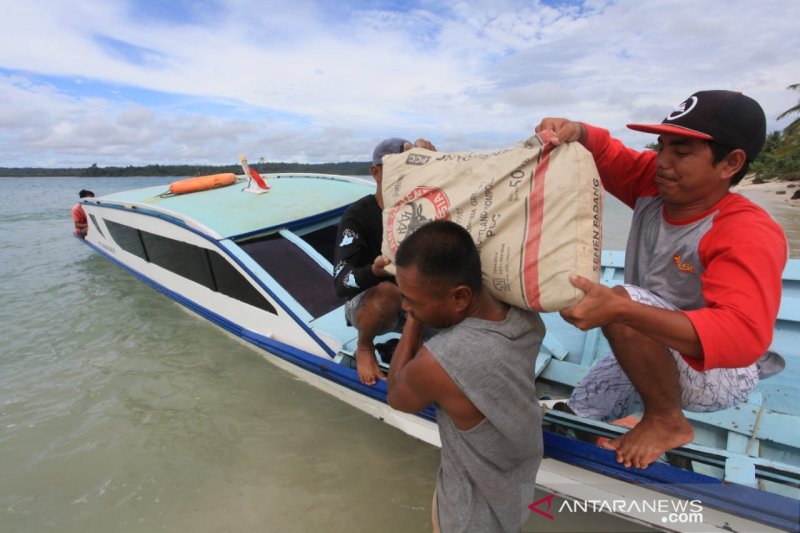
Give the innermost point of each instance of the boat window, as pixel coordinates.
(301, 276)
(179, 257)
(323, 240)
(231, 283)
(96, 225)
(127, 238)
(205, 267)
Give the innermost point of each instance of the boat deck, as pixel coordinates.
(233, 213)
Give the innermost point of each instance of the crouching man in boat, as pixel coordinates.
(79, 216)
(374, 300)
(478, 370)
(703, 272)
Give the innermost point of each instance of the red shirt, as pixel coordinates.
(79, 217)
(722, 268)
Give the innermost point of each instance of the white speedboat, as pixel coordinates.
(259, 265)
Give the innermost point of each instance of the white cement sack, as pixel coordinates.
(533, 210)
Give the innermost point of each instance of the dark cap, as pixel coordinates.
(84, 193)
(729, 118)
(386, 147)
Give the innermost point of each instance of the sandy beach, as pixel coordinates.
(772, 196)
(776, 198)
(782, 190)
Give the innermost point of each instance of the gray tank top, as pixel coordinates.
(487, 474)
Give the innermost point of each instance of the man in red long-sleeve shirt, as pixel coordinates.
(79, 216)
(702, 273)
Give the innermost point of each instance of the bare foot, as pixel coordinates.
(367, 366)
(652, 436)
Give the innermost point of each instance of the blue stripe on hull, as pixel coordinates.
(754, 504)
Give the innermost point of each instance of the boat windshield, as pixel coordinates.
(298, 273)
(322, 240)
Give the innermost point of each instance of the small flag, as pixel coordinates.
(258, 179)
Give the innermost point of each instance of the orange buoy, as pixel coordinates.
(202, 183)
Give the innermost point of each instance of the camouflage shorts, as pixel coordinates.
(606, 393)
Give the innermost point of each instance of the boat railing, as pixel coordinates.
(738, 468)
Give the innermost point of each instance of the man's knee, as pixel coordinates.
(385, 295)
(620, 333)
(380, 306)
(616, 332)
(620, 290)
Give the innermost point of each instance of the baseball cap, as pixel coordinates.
(386, 147)
(728, 118)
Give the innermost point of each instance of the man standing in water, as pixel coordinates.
(478, 370)
(702, 271)
(374, 301)
(78, 215)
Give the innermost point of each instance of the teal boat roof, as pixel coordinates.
(230, 211)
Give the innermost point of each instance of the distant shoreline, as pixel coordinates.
(348, 168)
(782, 191)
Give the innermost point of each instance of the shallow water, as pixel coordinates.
(121, 412)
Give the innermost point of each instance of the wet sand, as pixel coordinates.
(781, 190)
(775, 197)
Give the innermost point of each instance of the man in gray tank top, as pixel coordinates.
(479, 371)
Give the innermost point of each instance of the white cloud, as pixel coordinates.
(307, 81)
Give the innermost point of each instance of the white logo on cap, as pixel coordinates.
(683, 109)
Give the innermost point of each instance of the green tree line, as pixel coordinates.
(352, 168)
(780, 158)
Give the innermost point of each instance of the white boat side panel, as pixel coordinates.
(417, 427)
(280, 326)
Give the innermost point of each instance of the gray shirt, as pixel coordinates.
(487, 473)
(657, 249)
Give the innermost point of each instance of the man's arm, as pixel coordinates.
(410, 370)
(626, 173)
(602, 305)
(419, 143)
(416, 379)
(743, 258)
(564, 130)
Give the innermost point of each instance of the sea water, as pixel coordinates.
(121, 412)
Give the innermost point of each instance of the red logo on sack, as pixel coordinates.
(421, 205)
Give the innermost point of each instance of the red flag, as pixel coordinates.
(259, 180)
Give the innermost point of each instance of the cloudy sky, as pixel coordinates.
(135, 82)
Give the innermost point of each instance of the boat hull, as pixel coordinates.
(311, 343)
